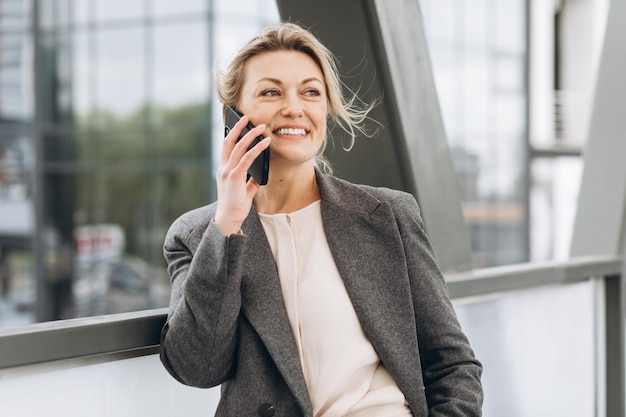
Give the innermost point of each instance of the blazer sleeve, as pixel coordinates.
(450, 370)
(198, 341)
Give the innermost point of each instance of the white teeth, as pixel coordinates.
(291, 132)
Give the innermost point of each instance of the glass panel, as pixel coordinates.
(15, 77)
(554, 195)
(509, 22)
(509, 115)
(177, 192)
(118, 268)
(131, 387)
(56, 79)
(120, 147)
(476, 93)
(509, 74)
(163, 8)
(82, 12)
(82, 81)
(118, 9)
(18, 293)
(233, 8)
(54, 13)
(17, 227)
(476, 22)
(268, 11)
(180, 73)
(480, 82)
(537, 350)
(441, 20)
(14, 15)
(186, 134)
(120, 72)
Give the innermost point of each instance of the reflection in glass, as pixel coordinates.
(162, 8)
(120, 146)
(82, 77)
(554, 194)
(117, 265)
(106, 10)
(120, 71)
(183, 134)
(15, 98)
(440, 20)
(14, 15)
(480, 79)
(126, 146)
(180, 74)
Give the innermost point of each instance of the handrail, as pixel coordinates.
(138, 333)
(67, 339)
(529, 275)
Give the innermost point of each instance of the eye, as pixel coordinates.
(270, 93)
(312, 92)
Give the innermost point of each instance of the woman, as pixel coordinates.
(309, 296)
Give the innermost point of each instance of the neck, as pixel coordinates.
(288, 190)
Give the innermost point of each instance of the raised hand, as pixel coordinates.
(234, 192)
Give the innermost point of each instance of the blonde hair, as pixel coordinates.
(348, 113)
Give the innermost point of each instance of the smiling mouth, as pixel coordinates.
(290, 132)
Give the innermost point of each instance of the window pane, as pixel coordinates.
(441, 20)
(510, 25)
(82, 81)
(14, 15)
(475, 17)
(554, 195)
(180, 73)
(184, 135)
(163, 8)
(120, 72)
(117, 266)
(17, 226)
(120, 147)
(118, 9)
(15, 78)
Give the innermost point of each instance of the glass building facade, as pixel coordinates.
(109, 130)
(479, 55)
(108, 127)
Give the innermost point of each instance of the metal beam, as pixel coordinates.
(600, 219)
(382, 52)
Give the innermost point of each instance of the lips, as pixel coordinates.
(290, 132)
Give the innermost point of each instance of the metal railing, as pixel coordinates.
(70, 343)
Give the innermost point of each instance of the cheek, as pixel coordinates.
(321, 119)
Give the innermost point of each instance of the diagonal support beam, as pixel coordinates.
(382, 51)
(600, 224)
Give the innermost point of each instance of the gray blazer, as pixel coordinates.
(228, 325)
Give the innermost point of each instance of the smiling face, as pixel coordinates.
(286, 91)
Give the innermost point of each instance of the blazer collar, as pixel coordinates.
(340, 193)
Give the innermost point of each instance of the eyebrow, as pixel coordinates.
(279, 82)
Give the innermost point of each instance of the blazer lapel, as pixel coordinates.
(263, 305)
(367, 247)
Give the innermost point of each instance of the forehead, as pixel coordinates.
(282, 65)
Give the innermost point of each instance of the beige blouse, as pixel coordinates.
(343, 373)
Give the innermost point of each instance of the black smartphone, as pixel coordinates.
(260, 168)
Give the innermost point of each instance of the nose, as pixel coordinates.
(292, 106)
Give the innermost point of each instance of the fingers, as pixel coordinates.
(236, 156)
(231, 143)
